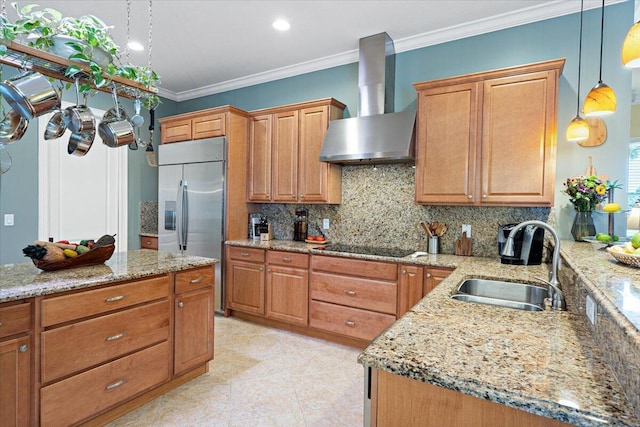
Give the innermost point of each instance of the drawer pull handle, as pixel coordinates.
(284, 259)
(0, 323)
(350, 292)
(198, 280)
(244, 254)
(23, 348)
(113, 299)
(116, 337)
(116, 384)
(350, 323)
(180, 304)
(148, 243)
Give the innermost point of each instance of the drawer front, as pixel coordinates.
(147, 242)
(78, 346)
(88, 303)
(355, 267)
(197, 278)
(355, 292)
(348, 321)
(103, 387)
(15, 319)
(288, 259)
(246, 254)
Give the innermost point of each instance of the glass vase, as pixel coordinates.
(582, 226)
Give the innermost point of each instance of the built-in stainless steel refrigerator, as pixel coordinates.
(191, 200)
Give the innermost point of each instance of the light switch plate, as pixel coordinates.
(591, 309)
(467, 228)
(8, 220)
(325, 223)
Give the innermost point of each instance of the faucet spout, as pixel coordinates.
(555, 293)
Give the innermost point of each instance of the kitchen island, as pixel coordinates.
(550, 364)
(89, 344)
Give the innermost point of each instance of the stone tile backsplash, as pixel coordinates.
(149, 217)
(378, 209)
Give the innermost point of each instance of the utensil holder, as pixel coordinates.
(434, 244)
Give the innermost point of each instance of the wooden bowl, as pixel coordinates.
(95, 256)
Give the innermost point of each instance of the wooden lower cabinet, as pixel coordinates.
(194, 311)
(15, 382)
(245, 280)
(432, 278)
(77, 398)
(287, 287)
(400, 401)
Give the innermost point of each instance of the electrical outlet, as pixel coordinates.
(325, 223)
(591, 309)
(467, 228)
(8, 220)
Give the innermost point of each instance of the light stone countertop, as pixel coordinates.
(24, 280)
(546, 363)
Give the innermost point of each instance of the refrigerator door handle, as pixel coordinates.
(185, 214)
(180, 220)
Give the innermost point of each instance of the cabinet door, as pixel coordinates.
(15, 374)
(259, 180)
(288, 294)
(285, 156)
(518, 139)
(433, 277)
(446, 148)
(409, 287)
(208, 126)
(175, 131)
(193, 329)
(313, 175)
(246, 282)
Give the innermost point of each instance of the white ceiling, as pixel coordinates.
(200, 47)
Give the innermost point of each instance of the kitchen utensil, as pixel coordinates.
(137, 120)
(463, 245)
(30, 94)
(426, 229)
(55, 126)
(118, 132)
(440, 229)
(12, 127)
(433, 227)
(5, 159)
(79, 118)
(80, 143)
(149, 152)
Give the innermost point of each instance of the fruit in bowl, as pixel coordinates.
(611, 207)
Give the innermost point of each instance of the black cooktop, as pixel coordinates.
(366, 250)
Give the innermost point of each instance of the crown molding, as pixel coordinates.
(482, 26)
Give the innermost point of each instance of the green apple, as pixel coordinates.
(602, 237)
(635, 240)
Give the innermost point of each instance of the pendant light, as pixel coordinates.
(578, 129)
(601, 101)
(631, 47)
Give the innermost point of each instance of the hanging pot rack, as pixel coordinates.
(54, 66)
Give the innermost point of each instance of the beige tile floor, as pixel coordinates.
(263, 377)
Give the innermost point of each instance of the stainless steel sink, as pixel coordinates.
(521, 296)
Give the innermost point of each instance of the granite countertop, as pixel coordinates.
(24, 280)
(546, 363)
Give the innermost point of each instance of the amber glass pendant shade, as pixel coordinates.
(578, 130)
(631, 47)
(600, 101)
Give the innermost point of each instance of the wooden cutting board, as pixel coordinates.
(463, 245)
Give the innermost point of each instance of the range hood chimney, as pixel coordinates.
(377, 135)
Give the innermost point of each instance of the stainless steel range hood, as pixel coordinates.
(377, 135)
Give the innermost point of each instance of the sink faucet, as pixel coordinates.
(555, 293)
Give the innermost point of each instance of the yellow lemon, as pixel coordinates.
(628, 248)
(611, 207)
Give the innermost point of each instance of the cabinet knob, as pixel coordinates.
(404, 271)
(180, 304)
(23, 348)
(350, 323)
(268, 270)
(302, 196)
(484, 196)
(428, 275)
(260, 269)
(469, 196)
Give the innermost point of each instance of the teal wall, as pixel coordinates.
(550, 39)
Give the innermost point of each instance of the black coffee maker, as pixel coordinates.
(527, 244)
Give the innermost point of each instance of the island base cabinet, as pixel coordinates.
(15, 380)
(400, 401)
(194, 329)
(82, 396)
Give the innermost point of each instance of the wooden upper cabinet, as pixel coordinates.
(295, 140)
(285, 156)
(259, 170)
(187, 127)
(489, 139)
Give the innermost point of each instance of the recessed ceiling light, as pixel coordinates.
(281, 24)
(134, 45)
